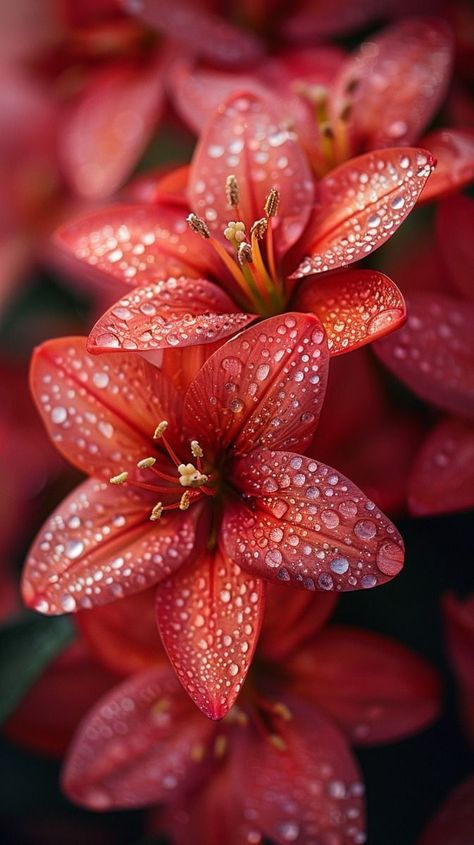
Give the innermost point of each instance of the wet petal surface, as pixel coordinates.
(442, 479)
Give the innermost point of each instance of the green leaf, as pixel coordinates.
(28, 644)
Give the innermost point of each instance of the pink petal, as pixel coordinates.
(375, 689)
(116, 640)
(198, 30)
(175, 312)
(209, 616)
(354, 306)
(245, 139)
(108, 127)
(264, 387)
(400, 77)
(433, 354)
(283, 634)
(453, 150)
(454, 228)
(100, 545)
(442, 478)
(360, 205)
(459, 627)
(453, 823)
(308, 790)
(136, 244)
(101, 411)
(321, 20)
(136, 745)
(308, 525)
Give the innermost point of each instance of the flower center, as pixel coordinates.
(332, 129)
(253, 265)
(169, 485)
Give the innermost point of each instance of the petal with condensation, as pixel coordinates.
(108, 127)
(305, 525)
(442, 478)
(373, 687)
(395, 82)
(100, 545)
(265, 387)
(360, 205)
(167, 314)
(245, 139)
(139, 743)
(101, 411)
(136, 244)
(433, 354)
(209, 616)
(453, 150)
(354, 306)
(454, 228)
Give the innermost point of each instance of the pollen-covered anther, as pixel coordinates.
(245, 254)
(278, 742)
(196, 450)
(156, 512)
(220, 746)
(189, 476)
(282, 710)
(197, 752)
(235, 232)
(232, 191)
(272, 202)
(259, 228)
(146, 463)
(160, 430)
(161, 705)
(121, 478)
(184, 501)
(197, 224)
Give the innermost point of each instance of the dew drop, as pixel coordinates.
(59, 415)
(73, 549)
(390, 558)
(273, 558)
(365, 529)
(100, 380)
(109, 340)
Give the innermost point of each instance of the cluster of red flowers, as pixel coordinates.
(203, 555)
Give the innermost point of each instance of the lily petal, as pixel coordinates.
(100, 545)
(319, 21)
(305, 614)
(101, 412)
(309, 526)
(308, 789)
(454, 821)
(442, 479)
(245, 139)
(136, 745)
(454, 228)
(209, 616)
(136, 244)
(354, 306)
(433, 354)
(375, 689)
(169, 313)
(360, 204)
(453, 150)
(265, 387)
(396, 82)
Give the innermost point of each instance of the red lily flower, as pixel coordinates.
(250, 508)
(454, 821)
(459, 627)
(280, 764)
(433, 354)
(280, 234)
(385, 94)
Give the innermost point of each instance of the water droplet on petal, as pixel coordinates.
(390, 558)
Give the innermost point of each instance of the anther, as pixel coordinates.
(345, 112)
(235, 232)
(272, 202)
(244, 254)
(220, 746)
(189, 476)
(278, 742)
(327, 130)
(259, 228)
(197, 224)
(196, 450)
(146, 463)
(197, 752)
(184, 501)
(156, 512)
(352, 86)
(121, 478)
(282, 710)
(232, 191)
(162, 705)
(160, 430)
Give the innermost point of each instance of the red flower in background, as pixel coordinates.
(433, 354)
(247, 507)
(284, 229)
(280, 764)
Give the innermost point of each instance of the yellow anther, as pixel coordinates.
(236, 717)
(278, 742)
(121, 478)
(146, 463)
(196, 450)
(244, 254)
(235, 232)
(232, 191)
(345, 112)
(282, 710)
(156, 512)
(220, 745)
(160, 430)
(184, 501)
(197, 752)
(162, 705)
(197, 224)
(259, 228)
(189, 476)
(272, 202)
